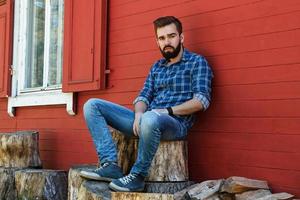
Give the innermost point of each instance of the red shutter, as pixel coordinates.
(5, 46)
(84, 45)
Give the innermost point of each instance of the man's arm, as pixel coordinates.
(188, 107)
(140, 107)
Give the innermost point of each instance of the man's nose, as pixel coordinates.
(167, 41)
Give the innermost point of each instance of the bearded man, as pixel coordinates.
(177, 86)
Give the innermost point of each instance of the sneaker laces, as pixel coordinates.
(127, 179)
(102, 167)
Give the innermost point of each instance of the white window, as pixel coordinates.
(37, 55)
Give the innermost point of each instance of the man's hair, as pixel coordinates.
(167, 20)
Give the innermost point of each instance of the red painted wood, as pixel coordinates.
(190, 11)
(2, 50)
(256, 108)
(262, 9)
(268, 91)
(247, 141)
(289, 55)
(219, 47)
(5, 47)
(131, 72)
(84, 45)
(119, 3)
(181, 9)
(8, 124)
(267, 74)
(67, 123)
(260, 159)
(135, 59)
(270, 125)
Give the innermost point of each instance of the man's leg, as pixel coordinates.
(99, 114)
(153, 127)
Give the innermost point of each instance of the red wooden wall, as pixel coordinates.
(252, 128)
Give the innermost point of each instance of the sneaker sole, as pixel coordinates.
(117, 188)
(99, 178)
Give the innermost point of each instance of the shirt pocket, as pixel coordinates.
(181, 82)
(161, 81)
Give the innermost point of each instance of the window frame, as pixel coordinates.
(35, 96)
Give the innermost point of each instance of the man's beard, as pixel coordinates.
(170, 54)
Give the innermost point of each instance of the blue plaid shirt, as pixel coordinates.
(167, 86)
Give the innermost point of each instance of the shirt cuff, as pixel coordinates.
(204, 101)
(140, 98)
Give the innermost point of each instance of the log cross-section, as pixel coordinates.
(169, 163)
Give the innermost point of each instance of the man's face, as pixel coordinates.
(169, 41)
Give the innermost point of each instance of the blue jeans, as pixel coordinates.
(154, 127)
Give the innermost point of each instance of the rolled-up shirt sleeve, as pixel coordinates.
(146, 94)
(201, 82)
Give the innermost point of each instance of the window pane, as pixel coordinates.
(35, 62)
(55, 51)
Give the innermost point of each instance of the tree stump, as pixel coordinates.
(75, 180)
(41, 184)
(94, 190)
(19, 149)
(7, 184)
(126, 149)
(167, 187)
(170, 163)
(140, 196)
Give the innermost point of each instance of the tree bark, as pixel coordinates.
(94, 190)
(170, 162)
(140, 196)
(7, 184)
(126, 149)
(19, 149)
(167, 187)
(75, 180)
(41, 184)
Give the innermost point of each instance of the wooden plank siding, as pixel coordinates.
(252, 128)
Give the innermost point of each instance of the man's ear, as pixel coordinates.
(181, 37)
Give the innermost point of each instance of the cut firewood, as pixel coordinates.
(19, 150)
(237, 184)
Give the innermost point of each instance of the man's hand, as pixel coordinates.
(136, 123)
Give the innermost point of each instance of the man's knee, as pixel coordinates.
(149, 121)
(91, 105)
